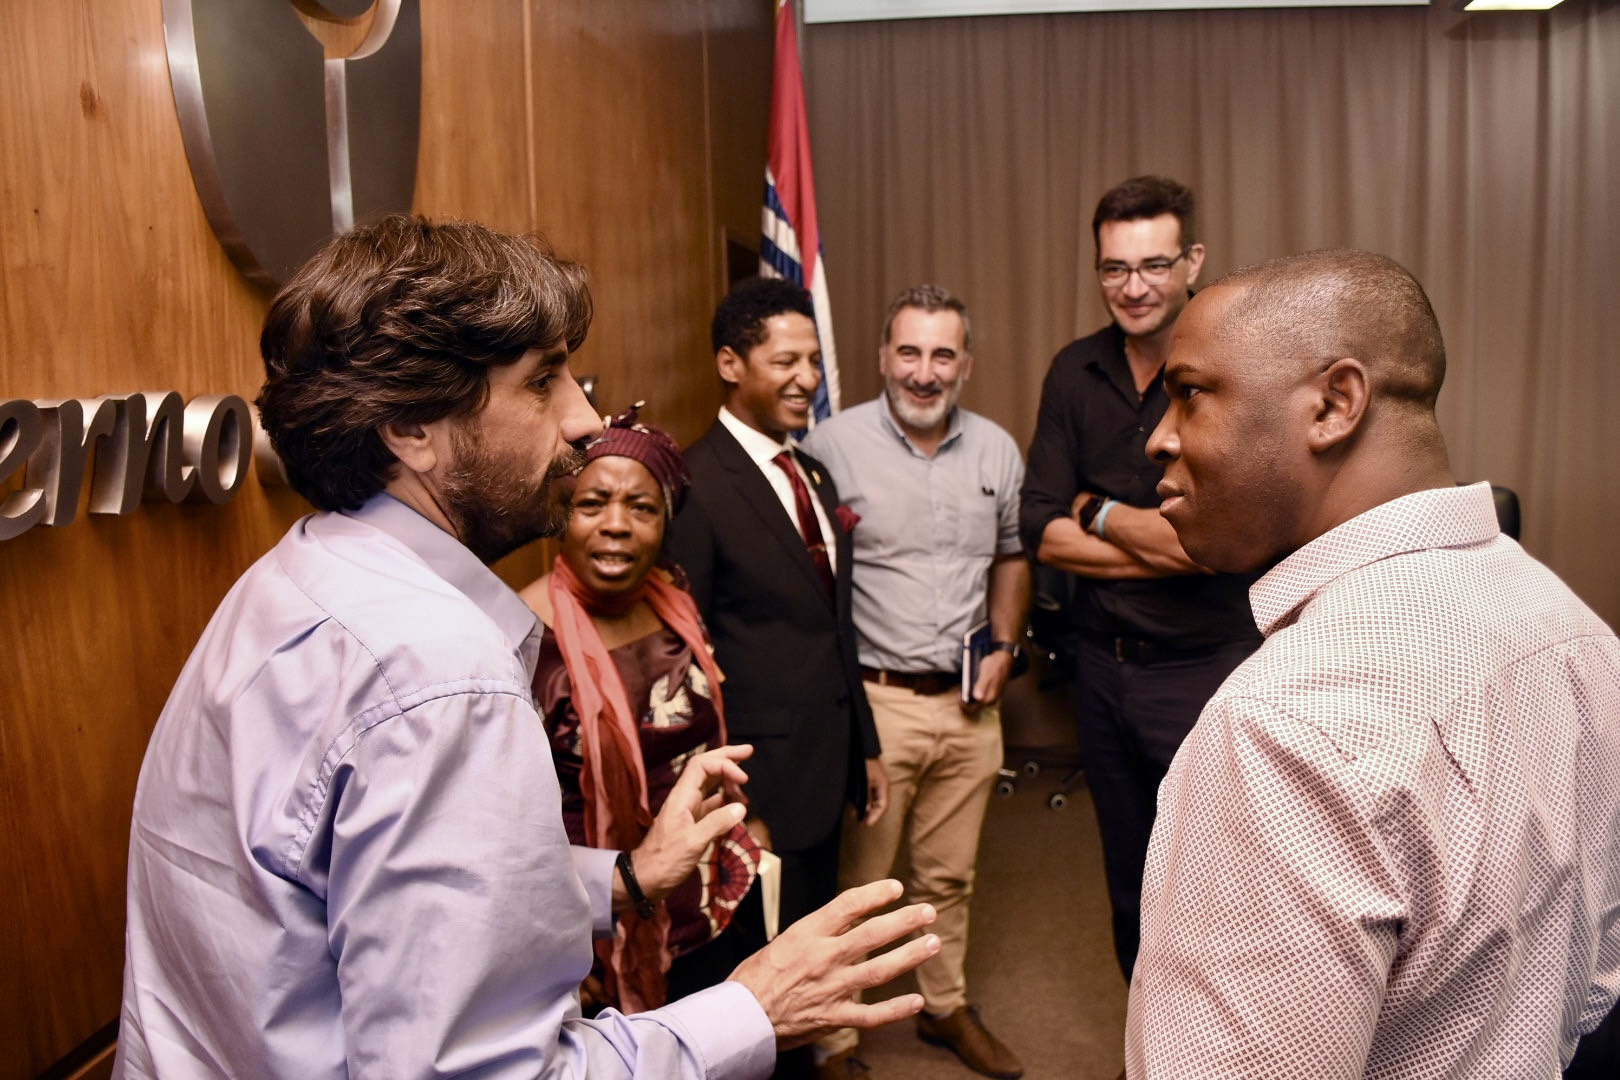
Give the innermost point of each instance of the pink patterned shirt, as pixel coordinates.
(1391, 845)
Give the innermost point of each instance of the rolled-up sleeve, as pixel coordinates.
(1050, 483)
(1008, 540)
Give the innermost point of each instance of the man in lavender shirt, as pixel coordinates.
(347, 856)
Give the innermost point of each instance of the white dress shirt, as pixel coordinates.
(1391, 845)
(763, 449)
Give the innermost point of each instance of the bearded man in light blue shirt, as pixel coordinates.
(936, 554)
(347, 856)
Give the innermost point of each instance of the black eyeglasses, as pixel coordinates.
(1151, 271)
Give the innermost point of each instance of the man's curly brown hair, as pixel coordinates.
(400, 322)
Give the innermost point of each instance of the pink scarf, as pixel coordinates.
(613, 777)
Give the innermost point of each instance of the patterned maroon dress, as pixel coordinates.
(677, 721)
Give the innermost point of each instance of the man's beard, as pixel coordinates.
(926, 417)
(495, 507)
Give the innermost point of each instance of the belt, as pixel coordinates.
(1137, 651)
(918, 682)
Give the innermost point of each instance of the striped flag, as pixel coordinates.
(791, 245)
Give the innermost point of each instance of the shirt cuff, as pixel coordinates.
(595, 869)
(728, 1028)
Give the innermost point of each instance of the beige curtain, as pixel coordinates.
(1482, 151)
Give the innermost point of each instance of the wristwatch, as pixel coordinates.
(638, 898)
(1006, 647)
(1088, 511)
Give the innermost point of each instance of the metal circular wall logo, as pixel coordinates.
(286, 143)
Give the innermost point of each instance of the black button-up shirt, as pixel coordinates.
(1092, 435)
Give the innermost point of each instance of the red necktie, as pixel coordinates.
(809, 527)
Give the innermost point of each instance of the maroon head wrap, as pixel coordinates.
(625, 436)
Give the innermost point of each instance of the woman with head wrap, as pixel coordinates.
(629, 691)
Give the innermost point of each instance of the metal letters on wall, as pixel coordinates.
(285, 145)
(152, 446)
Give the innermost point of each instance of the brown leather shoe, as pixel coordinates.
(963, 1032)
(843, 1066)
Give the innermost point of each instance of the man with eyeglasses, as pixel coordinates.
(1157, 632)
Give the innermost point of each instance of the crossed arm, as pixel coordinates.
(1141, 544)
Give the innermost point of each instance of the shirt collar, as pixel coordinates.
(1113, 364)
(1437, 518)
(451, 560)
(1110, 359)
(755, 443)
(953, 426)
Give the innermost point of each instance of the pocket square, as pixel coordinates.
(847, 518)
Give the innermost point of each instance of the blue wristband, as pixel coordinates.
(1102, 516)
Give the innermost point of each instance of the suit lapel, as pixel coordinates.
(760, 497)
(823, 489)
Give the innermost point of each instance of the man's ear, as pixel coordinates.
(730, 365)
(1341, 405)
(1195, 263)
(413, 444)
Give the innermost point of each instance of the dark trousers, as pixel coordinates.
(809, 880)
(1597, 1056)
(1133, 715)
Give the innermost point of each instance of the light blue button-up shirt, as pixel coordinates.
(347, 855)
(930, 528)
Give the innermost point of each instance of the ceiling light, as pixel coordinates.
(1506, 5)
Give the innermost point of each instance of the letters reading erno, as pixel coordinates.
(151, 446)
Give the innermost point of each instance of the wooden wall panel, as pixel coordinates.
(110, 282)
(741, 44)
(583, 119)
(619, 134)
(474, 154)
(114, 280)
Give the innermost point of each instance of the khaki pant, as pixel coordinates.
(942, 765)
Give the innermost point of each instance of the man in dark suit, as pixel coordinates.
(774, 589)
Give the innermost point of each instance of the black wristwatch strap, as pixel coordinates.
(1006, 647)
(1088, 512)
(627, 871)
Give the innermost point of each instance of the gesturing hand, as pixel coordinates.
(806, 980)
(696, 814)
